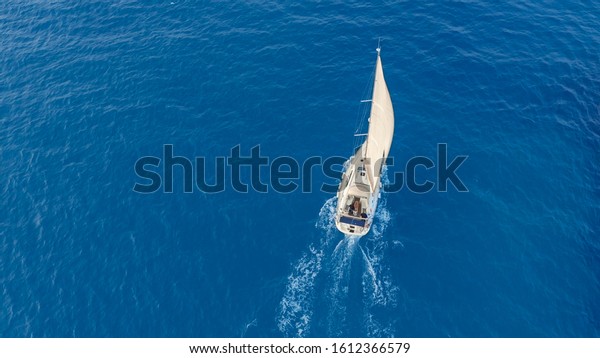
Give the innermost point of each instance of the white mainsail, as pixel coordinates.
(381, 125)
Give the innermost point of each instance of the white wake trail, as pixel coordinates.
(379, 290)
(336, 265)
(339, 283)
(296, 306)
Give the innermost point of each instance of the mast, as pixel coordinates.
(381, 125)
(378, 49)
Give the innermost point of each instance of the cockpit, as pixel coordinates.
(355, 212)
(357, 206)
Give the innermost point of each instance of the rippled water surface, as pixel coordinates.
(88, 87)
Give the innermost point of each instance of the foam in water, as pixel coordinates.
(296, 307)
(336, 264)
(339, 268)
(378, 288)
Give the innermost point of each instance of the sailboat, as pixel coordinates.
(360, 186)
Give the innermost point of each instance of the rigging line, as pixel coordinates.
(363, 110)
(360, 116)
(370, 107)
(365, 92)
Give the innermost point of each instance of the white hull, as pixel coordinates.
(360, 187)
(356, 220)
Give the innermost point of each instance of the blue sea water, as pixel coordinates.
(88, 87)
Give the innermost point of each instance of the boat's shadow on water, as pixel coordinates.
(339, 286)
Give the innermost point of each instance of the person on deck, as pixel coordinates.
(356, 207)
